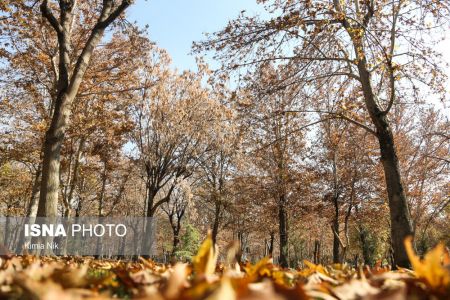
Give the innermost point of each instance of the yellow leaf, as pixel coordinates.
(431, 268)
(224, 291)
(204, 263)
(314, 267)
(261, 268)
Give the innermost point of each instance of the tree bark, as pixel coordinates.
(283, 228)
(271, 243)
(316, 254)
(146, 242)
(33, 205)
(335, 228)
(176, 241)
(401, 226)
(74, 180)
(101, 198)
(215, 229)
(366, 251)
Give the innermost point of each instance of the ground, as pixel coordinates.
(29, 277)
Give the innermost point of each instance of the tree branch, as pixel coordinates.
(114, 15)
(48, 14)
(336, 116)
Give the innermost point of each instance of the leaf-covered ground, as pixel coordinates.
(29, 277)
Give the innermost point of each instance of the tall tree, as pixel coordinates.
(275, 141)
(176, 120)
(71, 69)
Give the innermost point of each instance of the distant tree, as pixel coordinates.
(176, 121)
(190, 242)
(175, 210)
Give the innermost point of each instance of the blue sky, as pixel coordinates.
(175, 24)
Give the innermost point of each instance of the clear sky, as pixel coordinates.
(175, 24)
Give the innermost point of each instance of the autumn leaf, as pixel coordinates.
(261, 269)
(224, 291)
(312, 268)
(204, 263)
(431, 268)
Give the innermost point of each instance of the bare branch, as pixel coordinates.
(48, 14)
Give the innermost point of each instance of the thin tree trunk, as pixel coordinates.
(316, 252)
(336, 244)
(335, 228)
(215, 229)
(335, 200)
(271, 243)
(283, 228)
(366, 252)
(74, 181)
(33, 205)
(99, 246)
(176, 240)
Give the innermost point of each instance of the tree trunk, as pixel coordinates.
(335, 228)
(146, 242)
(316, 252)
(283, 228)
(401, 226)
(271, 243)
(176, 240)
(33, 205)
(101, 198)
(74, 181)
(54, 137)
(215, 229)
(366, 252)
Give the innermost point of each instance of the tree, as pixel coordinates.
(175, 209)
(369, 52)
(216, 171)
(71, 70)
(176, 120)
(275, 142)
(30, 77)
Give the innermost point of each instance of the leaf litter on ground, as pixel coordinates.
(30, 277)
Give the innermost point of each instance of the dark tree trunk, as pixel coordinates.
(176, 241)
(317, 252)
(215, 229)
(101, 198)
(147, 239)
(271, 243)
(364, 245)
(401, 226)
(283, 228)
(335, 228)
